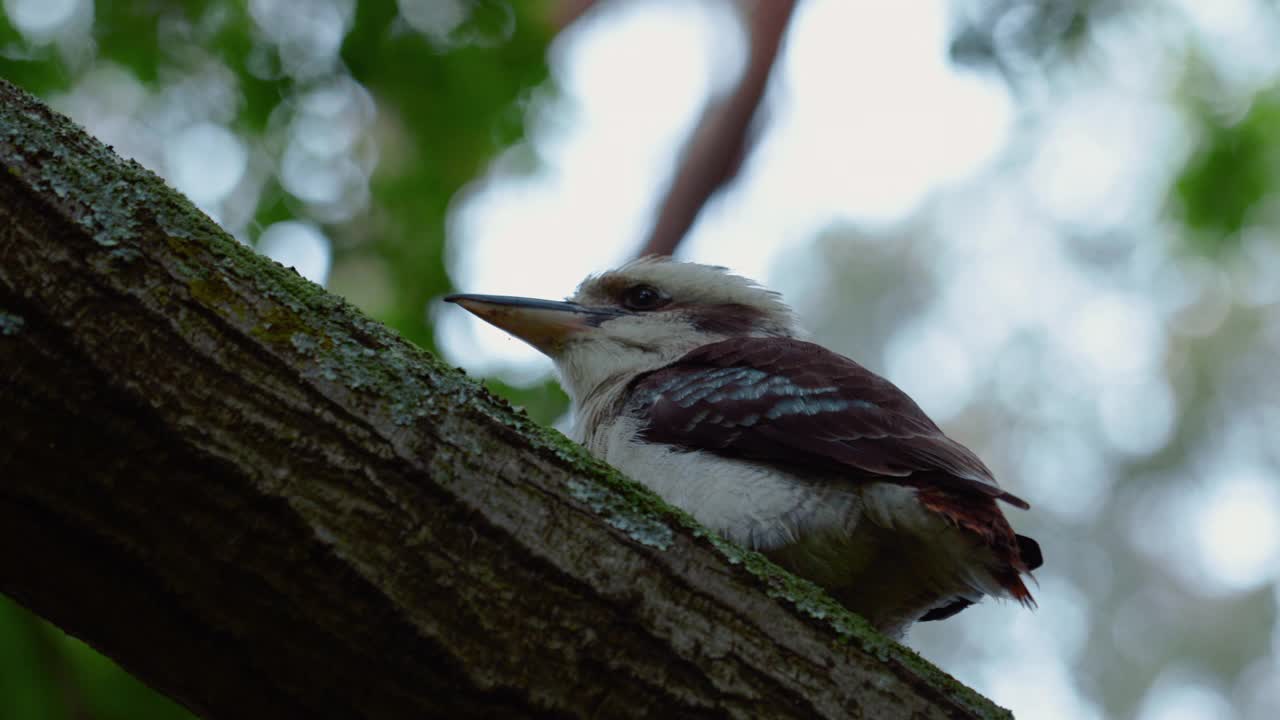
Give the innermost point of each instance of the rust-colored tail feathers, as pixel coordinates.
(1017, 554)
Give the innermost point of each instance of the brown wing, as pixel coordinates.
(799, 405)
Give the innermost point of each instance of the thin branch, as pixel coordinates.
(720, 142)
(567, 12)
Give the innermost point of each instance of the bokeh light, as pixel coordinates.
(40, 20)
(1237, 528)
(205, 162)
(301, 246)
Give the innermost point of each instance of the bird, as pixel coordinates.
(697, 383)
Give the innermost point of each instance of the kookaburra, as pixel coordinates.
(692, 381)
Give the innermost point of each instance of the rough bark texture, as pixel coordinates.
(266, 505)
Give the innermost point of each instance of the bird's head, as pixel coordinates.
(636, 318)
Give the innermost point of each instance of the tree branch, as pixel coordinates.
(266, 505)
(566, 12)
(717, 147)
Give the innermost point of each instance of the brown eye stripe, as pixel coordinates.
(724, 318)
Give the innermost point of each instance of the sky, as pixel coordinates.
(628, 111)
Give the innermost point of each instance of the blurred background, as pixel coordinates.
(1053, 224)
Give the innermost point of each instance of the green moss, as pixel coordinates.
(211, 291)
(849, 627)
(615, 508)
(279, 325)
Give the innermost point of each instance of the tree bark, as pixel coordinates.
(264, 504)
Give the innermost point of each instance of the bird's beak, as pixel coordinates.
(544, 324)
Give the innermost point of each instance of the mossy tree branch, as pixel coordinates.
(266, 505)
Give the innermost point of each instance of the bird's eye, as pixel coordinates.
(644, 297)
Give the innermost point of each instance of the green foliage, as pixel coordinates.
(457, 109)
(544, 402)
(26, 689)
(47, 674)
(1230, 174)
